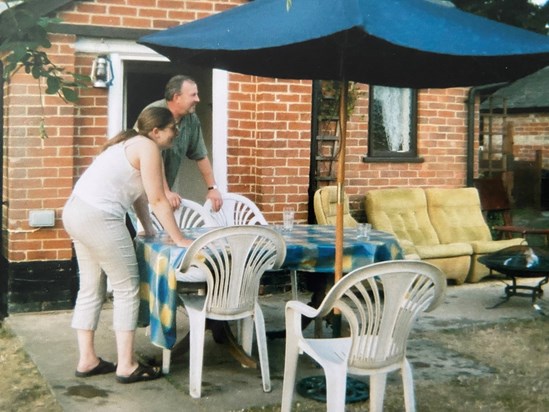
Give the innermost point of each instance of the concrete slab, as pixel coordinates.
(51, 343)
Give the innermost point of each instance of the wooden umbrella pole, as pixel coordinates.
(338, 270)
(341, 180)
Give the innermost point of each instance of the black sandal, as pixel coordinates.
(101, 369)
(140, 374)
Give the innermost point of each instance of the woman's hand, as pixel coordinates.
(184, 243)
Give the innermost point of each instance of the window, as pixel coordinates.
(392, 124)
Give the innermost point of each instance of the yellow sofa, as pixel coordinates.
(444, 227)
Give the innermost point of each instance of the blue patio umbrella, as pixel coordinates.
(398, 43)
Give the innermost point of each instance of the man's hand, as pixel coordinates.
(215, 197)
(174, 199)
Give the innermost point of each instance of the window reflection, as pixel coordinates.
(392, 122)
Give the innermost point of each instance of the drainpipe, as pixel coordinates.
(471, 98)
(313, 184)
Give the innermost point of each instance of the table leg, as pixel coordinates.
(317, 283)
(223, 334)
(515, 290)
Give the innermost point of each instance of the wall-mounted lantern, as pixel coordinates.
(102, 72)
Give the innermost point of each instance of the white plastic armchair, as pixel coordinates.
(189, 214)
(234, 259)
(379, 304)
(236, 210)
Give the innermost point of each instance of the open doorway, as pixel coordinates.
(144, 84)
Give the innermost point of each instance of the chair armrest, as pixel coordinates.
(301, 308)
(295, 310)
(521, 229)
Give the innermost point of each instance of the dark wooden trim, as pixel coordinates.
(392, 159)
(39, 285)
(44, 7)
(97, 31)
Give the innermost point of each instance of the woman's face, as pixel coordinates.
(164, 137)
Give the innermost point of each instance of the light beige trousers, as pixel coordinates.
(103, 249)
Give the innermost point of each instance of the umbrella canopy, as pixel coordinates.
(399, 43)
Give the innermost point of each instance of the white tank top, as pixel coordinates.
(111, 183)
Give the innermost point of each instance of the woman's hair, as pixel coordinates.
(174, 86)
(151, 117)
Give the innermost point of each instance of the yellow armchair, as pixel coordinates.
(325, 205)
(456, 216)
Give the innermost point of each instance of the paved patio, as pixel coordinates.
(50, 342)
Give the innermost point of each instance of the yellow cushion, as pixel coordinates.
(402, 212)
(456, 215)
(446, 250)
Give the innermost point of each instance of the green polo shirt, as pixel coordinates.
(189, 143)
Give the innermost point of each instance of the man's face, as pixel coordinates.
(187, 98)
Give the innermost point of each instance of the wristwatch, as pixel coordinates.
(212, 187)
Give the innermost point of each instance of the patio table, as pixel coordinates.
(308, 248)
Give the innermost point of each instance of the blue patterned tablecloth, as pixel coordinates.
(312, 248)
(308, 248)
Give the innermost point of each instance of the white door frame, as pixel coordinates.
(121, 50)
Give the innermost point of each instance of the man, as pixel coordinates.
(181, 98)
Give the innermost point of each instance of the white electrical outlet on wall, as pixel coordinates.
(42, 218)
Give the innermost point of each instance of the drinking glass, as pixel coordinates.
(288, 218)
(363, 230)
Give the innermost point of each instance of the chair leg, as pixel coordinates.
(166, 361)
(293, 281)
(377, 391)
(408, 384)
(261, 337)
(196, 352)
(336, 388)
(246, 330)
(290, 367)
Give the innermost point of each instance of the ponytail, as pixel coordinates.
(150, 118)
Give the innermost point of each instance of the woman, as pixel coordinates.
(127, 172)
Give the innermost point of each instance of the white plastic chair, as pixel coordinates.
(240, 210)
(234, 259)
(236, 210)
(189, 214)
(379, 303)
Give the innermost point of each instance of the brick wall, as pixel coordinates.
(530, 133)
(38, 173)
(269, 134)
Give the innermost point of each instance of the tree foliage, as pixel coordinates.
(519, 13)
(23, 40)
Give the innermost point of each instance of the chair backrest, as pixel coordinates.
(494, 197)
(192, 214)
(234, 258)
(236, 210)
(380, 302)
(456, 215)
(403, 212)
(325, 205)
(189, 214)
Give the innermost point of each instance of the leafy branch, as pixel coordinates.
(23, 37)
